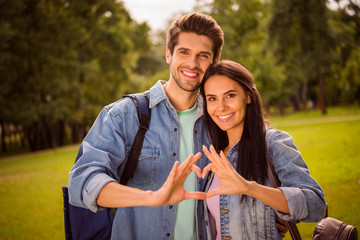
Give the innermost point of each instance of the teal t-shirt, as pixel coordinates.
(185, 225)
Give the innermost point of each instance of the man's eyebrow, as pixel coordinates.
(182, 48)
(188, 49)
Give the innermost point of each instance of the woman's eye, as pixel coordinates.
(210, 99)
(231, 95)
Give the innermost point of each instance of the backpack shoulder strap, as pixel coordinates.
(144, 115)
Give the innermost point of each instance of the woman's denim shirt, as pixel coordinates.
(251, 218)
(107, 146)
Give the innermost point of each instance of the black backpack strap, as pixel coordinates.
(144, 115)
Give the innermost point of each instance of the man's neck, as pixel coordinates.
(181, 100)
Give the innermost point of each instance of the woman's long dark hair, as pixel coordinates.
(252, 155)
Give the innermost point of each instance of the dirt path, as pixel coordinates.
(317, 120)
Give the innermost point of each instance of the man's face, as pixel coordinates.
(191, 57)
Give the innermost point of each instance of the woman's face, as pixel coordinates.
(226, 103)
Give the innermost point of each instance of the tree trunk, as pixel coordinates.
(304, 94)
(321, 93)
(61, 133)
(48, 134)
(3, 143)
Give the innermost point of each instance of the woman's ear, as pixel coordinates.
(248, 99)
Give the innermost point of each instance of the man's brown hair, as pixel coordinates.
(200, 24)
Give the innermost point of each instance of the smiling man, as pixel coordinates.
(159, 201)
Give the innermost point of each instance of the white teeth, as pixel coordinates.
(189, 74)
(224, 117)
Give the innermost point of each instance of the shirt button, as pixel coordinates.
(195, 131)
(206, 223)
(174, 154)
(168, 234)
(225, 211)
(175, 129)
(170, 206)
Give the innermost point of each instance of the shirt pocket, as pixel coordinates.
(146, 169)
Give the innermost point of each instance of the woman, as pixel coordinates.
(242, 147)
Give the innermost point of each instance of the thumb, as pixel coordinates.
(213, 192)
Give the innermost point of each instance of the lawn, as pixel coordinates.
(30, 184)
(331, 148)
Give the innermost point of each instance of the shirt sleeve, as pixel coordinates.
(100, 154)
(304, 195)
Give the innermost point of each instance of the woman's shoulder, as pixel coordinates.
(278, 139)
(273, 134)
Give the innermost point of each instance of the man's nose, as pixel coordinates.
(193, 62)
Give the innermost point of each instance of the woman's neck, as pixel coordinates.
(234, 135)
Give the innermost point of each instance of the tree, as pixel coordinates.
(61, 61)
(244, 25)
(303, 42)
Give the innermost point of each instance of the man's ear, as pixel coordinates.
(168, 56)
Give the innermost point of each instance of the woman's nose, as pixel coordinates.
(222, 105)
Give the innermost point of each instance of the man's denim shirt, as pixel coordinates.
(251, 218)
(107, 146)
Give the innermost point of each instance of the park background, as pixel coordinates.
(61, 61)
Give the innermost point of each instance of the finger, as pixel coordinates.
(206, 170)
(212, 150)
(197, 170)
(216, 156)
(209, 155)
(222, 155)
(184, 166)
(190, 166)
(191, 160)
(172, 173)
(195, 195)
(213, 192)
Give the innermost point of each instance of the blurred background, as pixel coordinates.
(62, 61)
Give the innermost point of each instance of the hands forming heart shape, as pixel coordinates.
(173, 190)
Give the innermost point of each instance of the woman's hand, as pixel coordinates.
(231, 183)
(172, 191)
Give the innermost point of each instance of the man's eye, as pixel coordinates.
(205, 56)
(184, 52)
(231, 95)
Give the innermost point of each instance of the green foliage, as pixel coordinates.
(303, 42)
(60, 62)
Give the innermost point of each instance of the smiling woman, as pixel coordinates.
(226, 105)
(243, 149)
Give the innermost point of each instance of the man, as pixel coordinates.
(151, 206)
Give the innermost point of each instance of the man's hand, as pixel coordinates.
(172, 191)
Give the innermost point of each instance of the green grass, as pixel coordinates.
(331, 149)
(31, 196)
(30, 184)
